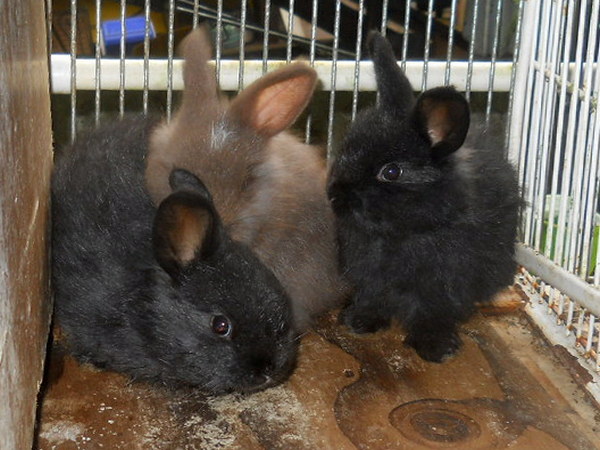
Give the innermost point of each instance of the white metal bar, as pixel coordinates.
(427, 48)
(563, 251)
(147, 52)
(541, 136)
(73, 69)
(513, 77)
(535, 203)
(590, 335)
(407, 11)
(219, 39)
(195, 14)
(266, 26)
(158, 70)
(488, 108)
(384, 18)
(242, 44)
(450, 42)
(290, 32)
(583, 162)
(568, 283)
(98, 55)
(357, 58)
(170, 56)
(313, 39)
(122, 59)
(560, 122)
(334, 67)
(528, 152)
(472, 49)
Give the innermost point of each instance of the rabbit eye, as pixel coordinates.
(389, 172)
(221, 326)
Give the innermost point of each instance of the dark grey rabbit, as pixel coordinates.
(267, 185)
(160, 293)
(426, 229)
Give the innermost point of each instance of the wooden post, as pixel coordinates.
(25, 164)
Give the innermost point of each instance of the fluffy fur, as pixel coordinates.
(162, 294)
(268, 186)
(425, 229)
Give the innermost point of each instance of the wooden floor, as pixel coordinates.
(506, 389)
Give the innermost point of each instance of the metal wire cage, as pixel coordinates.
(532, 63)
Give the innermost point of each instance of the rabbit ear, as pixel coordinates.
(200, 85)
(396, 93)
(186, 226)
(272, 103)
(442, 115)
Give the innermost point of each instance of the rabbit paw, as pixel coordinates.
(434, 347)
(362, 321)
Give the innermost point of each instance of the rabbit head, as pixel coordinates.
(230, 333)
(398, 148)
(222, 142)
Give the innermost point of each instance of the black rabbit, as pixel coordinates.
(425, 230)
(159, 293)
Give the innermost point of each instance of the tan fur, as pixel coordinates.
(268, 187)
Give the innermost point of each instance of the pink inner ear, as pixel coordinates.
(438, 124)
(279, 105)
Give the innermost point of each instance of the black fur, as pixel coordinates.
(423, 248)
(130, 295)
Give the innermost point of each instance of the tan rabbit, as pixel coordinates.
(268, 186)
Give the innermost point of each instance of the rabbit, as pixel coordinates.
(425, 228)
(161, 293)
(267, 185)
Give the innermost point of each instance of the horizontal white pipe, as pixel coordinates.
(571, 285)
(157, 78)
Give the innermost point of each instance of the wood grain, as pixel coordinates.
(349, 391)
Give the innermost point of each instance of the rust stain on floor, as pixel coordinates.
(505, 389)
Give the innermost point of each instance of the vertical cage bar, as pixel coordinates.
(98, 55)
(170, 55)
(290, 32)
(219, 40)
(313, 40)
(570, 150)
(536, 193)
(592, 174)
(582, 162)
(548, 126)
(450, 42)
(527, 160)
(357, 57)
(570, 315)
(334, 57)
(590, 334)
(195, 14)
(560, 122)
(266, 27)
(242, 44)
(384, 17)
(407, 12)
(488, 109)
(471, 56)
(73, 69)
(427, 48)
(122, 60)
(513, 77)
(146, 55)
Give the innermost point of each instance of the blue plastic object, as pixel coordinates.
(135, 28)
